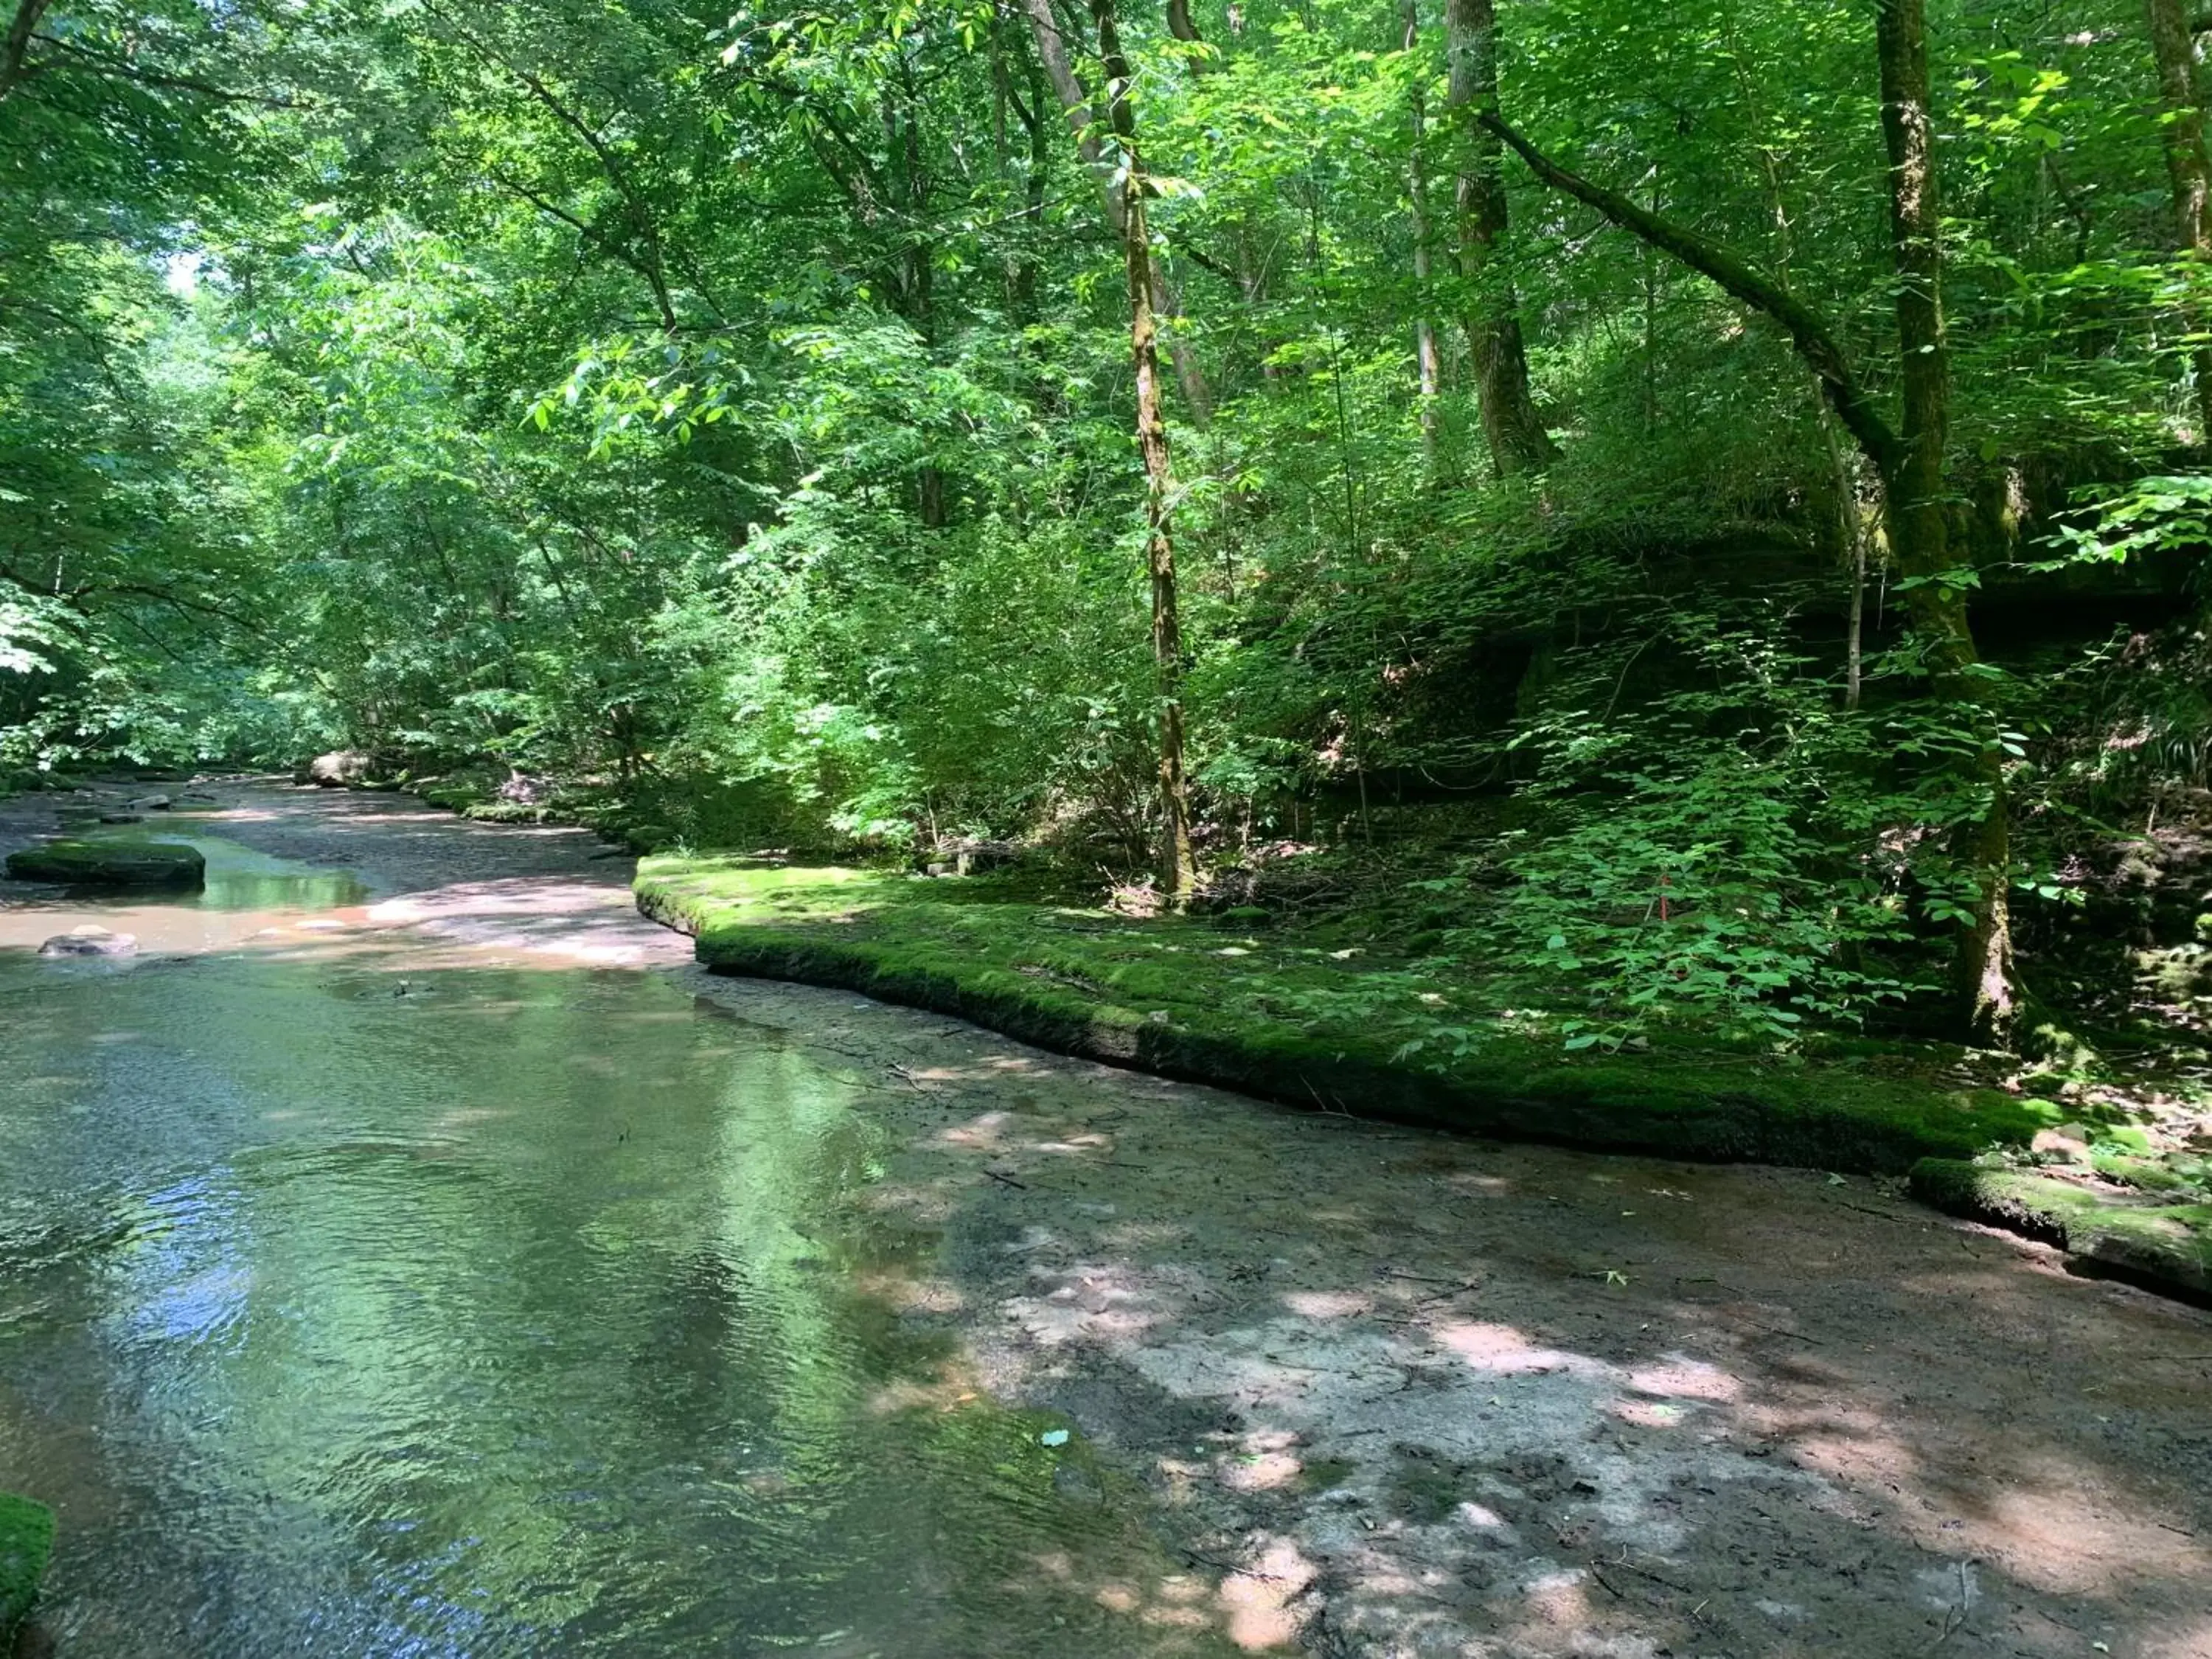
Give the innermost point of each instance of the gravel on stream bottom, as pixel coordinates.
(1401, 1393)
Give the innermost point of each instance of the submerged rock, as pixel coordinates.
(27, 1542)
(111, 862)
(90, 942)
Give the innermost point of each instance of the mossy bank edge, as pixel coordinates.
(1150, 996)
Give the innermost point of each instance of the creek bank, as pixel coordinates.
(1396, 1389)
(2162, 1242)
(27, 1543)
(1305, 1028)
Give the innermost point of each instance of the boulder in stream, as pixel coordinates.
(27, 1543)
(111, 862)
(336, 769)
(90, 942)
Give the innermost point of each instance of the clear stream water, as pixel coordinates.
(353, 1309)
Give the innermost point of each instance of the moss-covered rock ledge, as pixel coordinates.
(2160, 1240)
(110, 862)
(1310, 1028)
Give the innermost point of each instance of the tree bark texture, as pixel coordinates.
(1177, 871)
(1051, 34)
(2189, 170)
(1428, 359)
(1518, 442)
(16, 44)
(1913, 488)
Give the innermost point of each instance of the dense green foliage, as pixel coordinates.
(720, 425)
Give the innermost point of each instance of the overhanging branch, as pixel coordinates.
(1807, 331)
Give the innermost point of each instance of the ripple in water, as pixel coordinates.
(529, 1313)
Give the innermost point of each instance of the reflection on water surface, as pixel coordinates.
(498, 1312)
(246, 892)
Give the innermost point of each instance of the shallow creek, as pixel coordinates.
(353, 1307)
(408, 1253)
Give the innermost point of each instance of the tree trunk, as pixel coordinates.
(1177, 871)
(16, 44)
(1913, 495)
(1417, 194)
(1051, 37)
(1518, 442)
(2188, 168)
(1908, 459)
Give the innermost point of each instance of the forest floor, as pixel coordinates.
(1393, 1391)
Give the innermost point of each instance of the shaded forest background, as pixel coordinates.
(1699, 505)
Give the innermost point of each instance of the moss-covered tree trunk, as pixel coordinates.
(1047, 30)
(1178, 870)
(1913, 491)
(1428, 361)
(1518, 442)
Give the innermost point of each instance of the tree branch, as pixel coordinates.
(651, 267)
(97, 63)
(1807, 331)
(16, 45)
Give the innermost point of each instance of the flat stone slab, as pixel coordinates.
(27, 1542)
(114, 861)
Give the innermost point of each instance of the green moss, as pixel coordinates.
(2183, 1177)
(1306, 1027)
(111, 862)
(2165, 1245)
(27, 1542)
(1326, 1473)
(1423, 1490)
(508, 812)
(454, 795)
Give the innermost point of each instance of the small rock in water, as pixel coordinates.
(90, 942)
(121, 817)
(154, 803)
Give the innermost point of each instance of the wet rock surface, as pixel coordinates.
(90, 941)
(336, 769)
(109, 861)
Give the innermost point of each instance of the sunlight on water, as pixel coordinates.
(507, 1313)
(246, 892)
